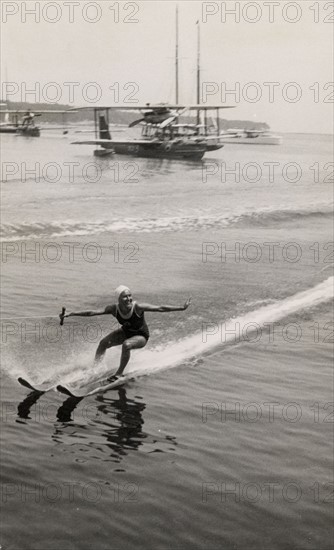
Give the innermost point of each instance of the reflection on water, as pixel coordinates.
(105, 429)
(64, 413)
(113, 427)
(127, 432)
(24, 408)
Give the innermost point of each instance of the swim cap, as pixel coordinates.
(119, 290)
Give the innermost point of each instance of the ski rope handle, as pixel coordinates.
(62, 315)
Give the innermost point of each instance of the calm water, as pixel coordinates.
(224, 437)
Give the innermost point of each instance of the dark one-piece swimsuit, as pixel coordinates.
(133, 324)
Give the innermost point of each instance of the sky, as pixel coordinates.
(275, 57)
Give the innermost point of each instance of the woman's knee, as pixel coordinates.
(134, 343)
(127, 345)
(142, 343)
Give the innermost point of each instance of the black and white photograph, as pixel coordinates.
(167, 328)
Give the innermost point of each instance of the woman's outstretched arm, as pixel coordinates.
(109, 310)
(163, 308)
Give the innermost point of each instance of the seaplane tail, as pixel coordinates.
(103, 128)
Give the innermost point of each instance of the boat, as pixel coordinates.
(28, 130)
(23, 121)
(250, 137)
(24, 126)
(8, 127)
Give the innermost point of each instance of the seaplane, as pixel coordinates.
(161, 135)
(22, 122)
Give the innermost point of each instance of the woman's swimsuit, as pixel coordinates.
(132, 323)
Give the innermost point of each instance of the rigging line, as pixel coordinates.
(29, 317)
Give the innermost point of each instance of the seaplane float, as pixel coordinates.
(161, 135)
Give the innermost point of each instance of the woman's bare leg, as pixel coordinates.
(115, 338)
(135, 342)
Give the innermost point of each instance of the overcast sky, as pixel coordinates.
(289, 47)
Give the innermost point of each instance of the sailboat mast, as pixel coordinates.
(177, 57)
(198, 75)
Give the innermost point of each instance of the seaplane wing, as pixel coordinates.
(38, 113)
(147, 106)
(155, 107)
(200, 107)
(19, 112)
(92, 142)
(144, 142)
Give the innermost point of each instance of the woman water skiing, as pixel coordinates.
(134, 333)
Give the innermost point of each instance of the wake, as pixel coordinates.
(213, 337)
(22, 231)
(77, 370)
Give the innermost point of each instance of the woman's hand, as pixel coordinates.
(61, 316)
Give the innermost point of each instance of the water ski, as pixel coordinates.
(27, 384)
(100, 389)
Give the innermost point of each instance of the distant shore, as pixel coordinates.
(118, 116)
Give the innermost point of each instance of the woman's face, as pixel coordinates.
(125, 300)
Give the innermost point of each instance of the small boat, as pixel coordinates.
(8, 128)
(250, 137)
(24, 126)
(23, 121)
(28, 131)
